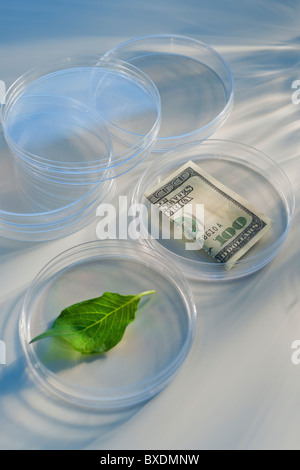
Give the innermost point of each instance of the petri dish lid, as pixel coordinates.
(35, 209)
(194, 82)
(40, 127)
(154, 345)
(69, 100)
(241, 168)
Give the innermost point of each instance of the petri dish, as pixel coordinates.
(194, 82)
(154, 345)
(243, 169)
(56, 117)
(35, 209)
(72, 143)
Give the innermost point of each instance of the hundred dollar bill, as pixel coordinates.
(232, 225)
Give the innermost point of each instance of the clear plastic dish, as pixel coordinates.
(194, 82)
(74, 136)
(154, 345)
(57, 118)
(250, 174)
(34, 209)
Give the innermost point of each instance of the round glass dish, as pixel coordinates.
(194, 82)
(61, 128)
(244, 170)
(154, 345)
(53, 110)
(35, 209)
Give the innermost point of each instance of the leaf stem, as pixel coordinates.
(147, 293)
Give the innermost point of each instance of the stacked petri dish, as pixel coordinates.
(69, 128)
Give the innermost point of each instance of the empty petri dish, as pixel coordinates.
(194, 82)
(246, 171)
(154, 345)
(55, 118)
(59, 138)
(33, 208)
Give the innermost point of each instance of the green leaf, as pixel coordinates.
(97, 325)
